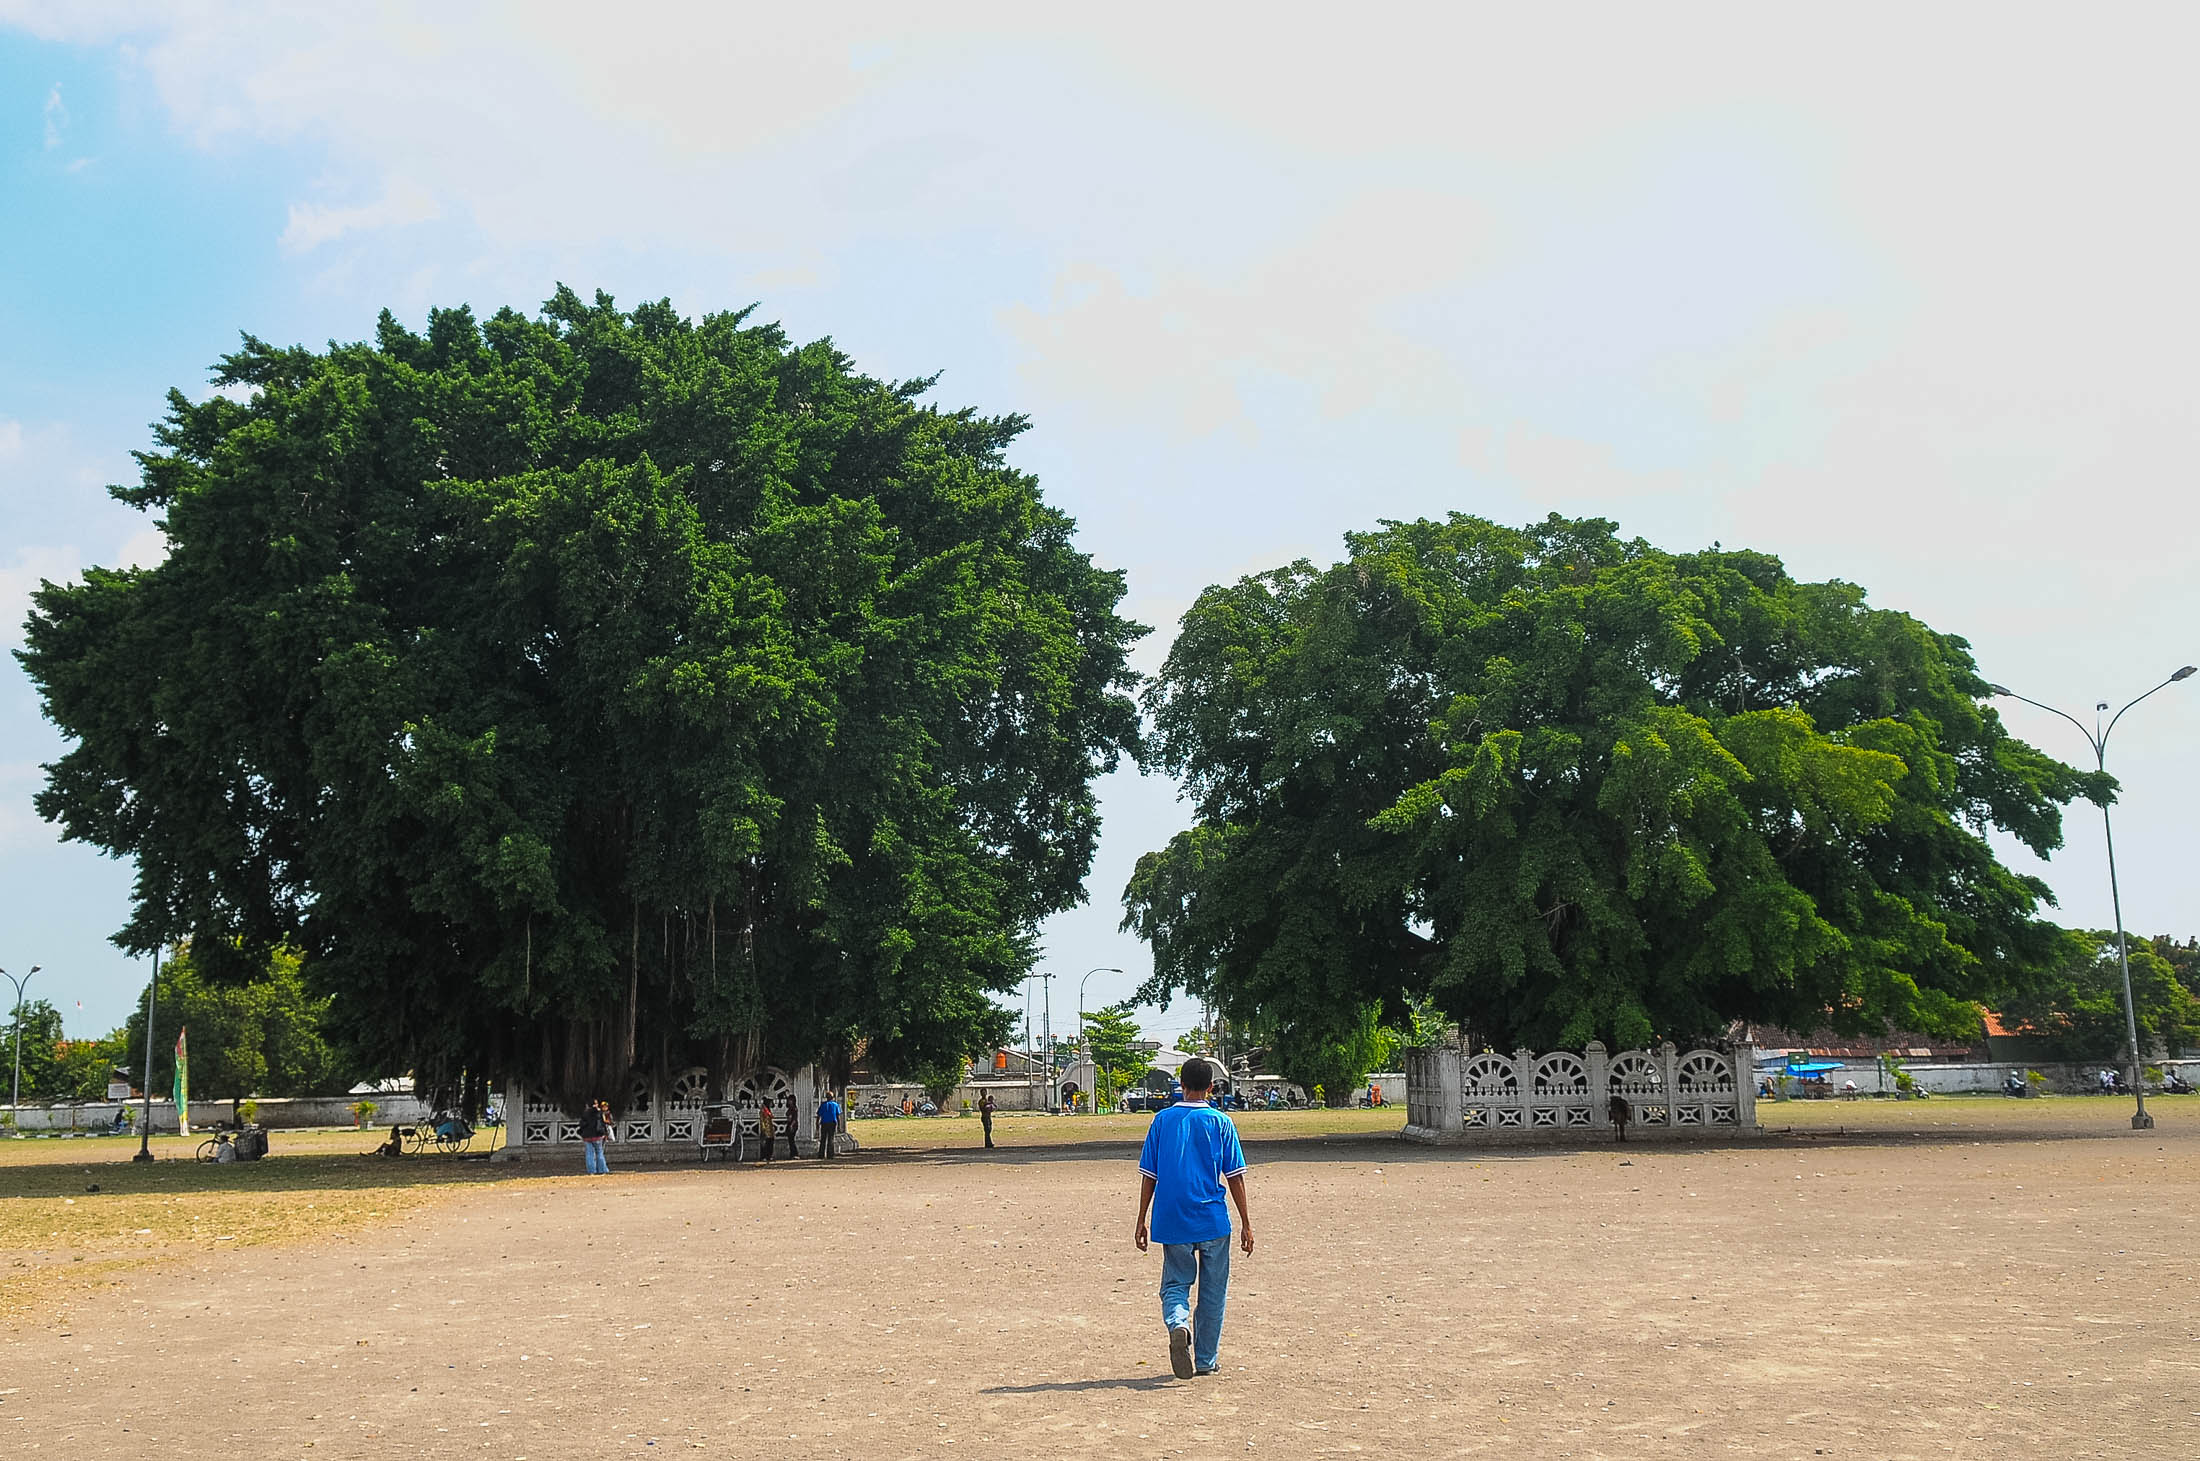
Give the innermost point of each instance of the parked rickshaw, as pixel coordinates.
(719, 1132)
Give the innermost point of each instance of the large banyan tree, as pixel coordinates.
(1569, 786)
(595, 693)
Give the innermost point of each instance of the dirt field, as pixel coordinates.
(1949, 1278)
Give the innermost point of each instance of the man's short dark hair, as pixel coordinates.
(1197, 1075)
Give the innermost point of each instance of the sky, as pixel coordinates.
(1900, 294)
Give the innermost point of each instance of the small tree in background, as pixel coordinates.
(86, 1066)
(262, 1038)
(39, 1024)
(1114, 1037)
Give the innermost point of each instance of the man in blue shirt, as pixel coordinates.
(1191, 1155)
(828, 1126)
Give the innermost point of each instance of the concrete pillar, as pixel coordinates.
(1600, 1083)
(1745, 1086)
(1445, 1064)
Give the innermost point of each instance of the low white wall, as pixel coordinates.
(1948, 1080)
(276, 1113)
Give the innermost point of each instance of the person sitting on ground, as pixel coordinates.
(394, 1147)
(1191, 1155)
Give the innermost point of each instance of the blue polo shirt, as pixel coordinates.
(1190, 1148)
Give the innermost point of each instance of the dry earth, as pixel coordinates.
(1947, 1279)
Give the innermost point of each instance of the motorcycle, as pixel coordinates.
(2016, 1085)
(2177, 1085)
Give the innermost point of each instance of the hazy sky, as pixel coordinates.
(1901, 293)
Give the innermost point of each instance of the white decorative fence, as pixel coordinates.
(1455, 1097)
(665, 1122)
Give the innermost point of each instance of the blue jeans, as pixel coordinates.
(1209, 1264)
(597, 1166)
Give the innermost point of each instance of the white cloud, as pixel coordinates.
(314, 224)
(1899, 292)
(11, 437)
(19, 579)
(20, 824)
(57, 117)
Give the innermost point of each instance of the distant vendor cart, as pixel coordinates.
(1809, 1074)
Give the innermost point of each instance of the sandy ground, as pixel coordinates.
(2016, 1281)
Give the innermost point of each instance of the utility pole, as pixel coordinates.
(1046, 1015)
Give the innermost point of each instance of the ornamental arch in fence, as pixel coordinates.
(1453, 1096)
(663, 1120)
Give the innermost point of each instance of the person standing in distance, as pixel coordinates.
(828, 1126)
(766, 1129)
(594, 1128)
(1191, 1156)
(985, 1117)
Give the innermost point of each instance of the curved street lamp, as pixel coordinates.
(145, 1077)
(1103, 969)
(15, 1092)
(2098, 740)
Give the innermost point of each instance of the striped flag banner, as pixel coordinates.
(183, 1086)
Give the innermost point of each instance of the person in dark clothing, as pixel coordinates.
(828, 1126)
(985, 1116)
(594, 1128)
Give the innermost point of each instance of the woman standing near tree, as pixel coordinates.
(594, 1129)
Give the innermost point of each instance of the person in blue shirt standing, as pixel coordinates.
(1191, 1156)
(828, 1126)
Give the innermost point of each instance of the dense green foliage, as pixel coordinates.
(1569, 786)
(2078, 1012)
(32, 1035)
(2182, 958)
(84, 1068)
(596, 692)
(261, 1037)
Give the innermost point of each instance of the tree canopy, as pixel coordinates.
(1570, 786)
(599, 691)
(261, 1037)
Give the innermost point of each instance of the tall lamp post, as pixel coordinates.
(15, 1092)
(145, 1121)
(2097, 738)
(1081, 1028)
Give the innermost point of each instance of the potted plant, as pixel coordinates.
(362, 1113)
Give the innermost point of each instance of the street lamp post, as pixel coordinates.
(15, 1092)
(1081, 1028)
(145, 1121)
(2098, 739)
